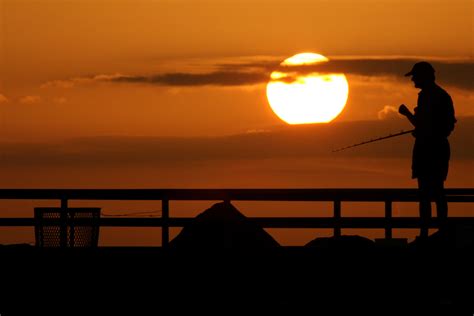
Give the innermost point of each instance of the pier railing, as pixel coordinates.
(336, 196)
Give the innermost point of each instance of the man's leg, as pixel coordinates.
(441, 203)
(425, 205)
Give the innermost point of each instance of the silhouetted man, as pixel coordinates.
(433, 121)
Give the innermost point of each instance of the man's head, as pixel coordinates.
(422, 74)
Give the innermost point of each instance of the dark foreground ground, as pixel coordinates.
(291, 281)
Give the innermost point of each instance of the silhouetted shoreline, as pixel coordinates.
(225, 262)
(285, 278)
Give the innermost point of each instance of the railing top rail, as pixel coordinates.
(310, 194)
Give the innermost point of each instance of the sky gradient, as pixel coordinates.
(86, 68)
(136, 94)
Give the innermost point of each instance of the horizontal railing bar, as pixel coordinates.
(267, 222)
(366, 195)
(353, 222)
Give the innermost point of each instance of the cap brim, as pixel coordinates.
(409, 74)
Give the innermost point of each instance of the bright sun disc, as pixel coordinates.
(306, 97)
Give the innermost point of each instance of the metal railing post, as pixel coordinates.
(165, 215)
(337, 218)
(388, 218)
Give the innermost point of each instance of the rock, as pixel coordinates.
(344, 242)
(223, 227)
(456, 236)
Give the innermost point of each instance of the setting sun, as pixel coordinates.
(309, 97)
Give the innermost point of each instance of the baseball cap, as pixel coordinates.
(421, 67)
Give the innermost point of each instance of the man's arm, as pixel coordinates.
(403, 110)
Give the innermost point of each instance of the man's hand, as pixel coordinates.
(403, 110)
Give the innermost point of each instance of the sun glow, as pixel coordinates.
(304, 59)
(306, 97)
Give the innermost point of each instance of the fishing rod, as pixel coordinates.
(374, 140)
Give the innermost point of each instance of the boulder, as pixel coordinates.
(223, 227)
(455, 236)
(344, 242)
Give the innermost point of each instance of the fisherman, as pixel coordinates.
(434, 121)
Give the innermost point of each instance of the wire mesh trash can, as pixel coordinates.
(67, 228)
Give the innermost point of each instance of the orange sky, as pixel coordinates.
(54, 41)
(94, 69)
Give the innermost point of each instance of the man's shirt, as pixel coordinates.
(434, 114)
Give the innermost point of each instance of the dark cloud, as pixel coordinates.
(305, 141)
(459, 74)
(453, 73)
(218, 78)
